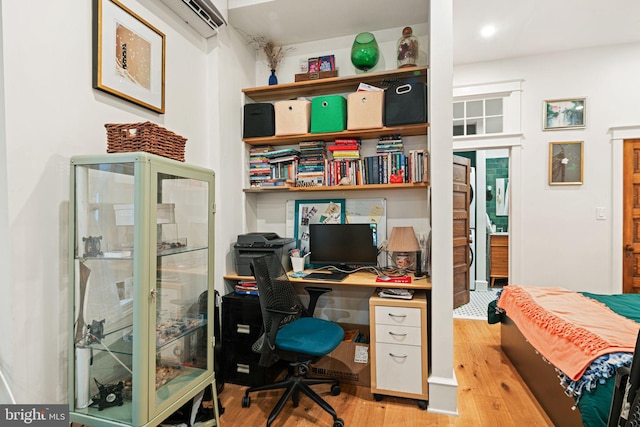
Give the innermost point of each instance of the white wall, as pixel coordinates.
(341, 48)
(562, 243)
(236, 65)
(6, 291)
(52, 113)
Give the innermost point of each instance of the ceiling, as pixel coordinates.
(298, 21)
(523, 27)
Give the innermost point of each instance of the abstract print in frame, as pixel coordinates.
(128, 55)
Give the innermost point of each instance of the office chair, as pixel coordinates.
(625, 402)
(291, 334)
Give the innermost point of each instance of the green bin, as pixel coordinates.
(328, 114)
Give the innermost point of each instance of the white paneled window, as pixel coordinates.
(478, 117)
(487, 109)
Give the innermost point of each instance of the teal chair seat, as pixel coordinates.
(309, 335)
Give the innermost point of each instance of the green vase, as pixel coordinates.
(365, 52)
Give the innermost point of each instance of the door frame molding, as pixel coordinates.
(618, 135)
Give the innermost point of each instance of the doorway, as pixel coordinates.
(489, 213)
(631, 217)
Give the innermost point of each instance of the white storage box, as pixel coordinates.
(364, 110)
(292, 117)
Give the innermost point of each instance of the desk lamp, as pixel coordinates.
(401, 242)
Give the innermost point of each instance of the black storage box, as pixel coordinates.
(259, 120)
(405, 103)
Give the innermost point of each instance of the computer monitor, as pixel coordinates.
(343, 245)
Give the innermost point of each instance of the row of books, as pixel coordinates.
(309, 166)
(269, 167)
(383, 168)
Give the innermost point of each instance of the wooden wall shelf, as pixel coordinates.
(331, 85)
(402, 186)
(406, 130)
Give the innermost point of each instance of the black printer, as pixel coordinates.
(254, 245)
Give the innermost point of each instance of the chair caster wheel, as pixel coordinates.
(296, 400)
(335, 389)
(246, 401)
(338, 422)
(377, 397)
(422, 404)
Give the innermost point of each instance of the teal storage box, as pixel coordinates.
(328, 114)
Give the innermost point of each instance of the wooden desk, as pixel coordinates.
(416, 344)
(360, 278)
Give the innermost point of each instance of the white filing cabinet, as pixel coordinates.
(399, 347)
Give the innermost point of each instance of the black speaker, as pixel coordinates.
(405, 103)
(259, 120)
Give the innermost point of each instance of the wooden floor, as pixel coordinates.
(490, 393)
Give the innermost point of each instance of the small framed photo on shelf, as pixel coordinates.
(327, 63)
(566, 163)
(314, 65)
(564, 114)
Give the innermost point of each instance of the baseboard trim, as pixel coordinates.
(443, 395)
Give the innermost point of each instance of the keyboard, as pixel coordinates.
(336, 276)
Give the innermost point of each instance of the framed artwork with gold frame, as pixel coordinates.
(128, 55)
(566, 163)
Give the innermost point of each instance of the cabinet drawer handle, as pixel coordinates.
(396, 334)
(243, 329)
(242, 369)
(397, 315)
(403, 356)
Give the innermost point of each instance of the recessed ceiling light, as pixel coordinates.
(488, 31)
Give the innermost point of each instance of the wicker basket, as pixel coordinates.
(146, 136)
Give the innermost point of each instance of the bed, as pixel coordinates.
(567, 345)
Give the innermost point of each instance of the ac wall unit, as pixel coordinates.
(202, 15)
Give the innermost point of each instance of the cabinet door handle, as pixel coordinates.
(397, 334)
(243, 329)
(397, 315)
(403, 356)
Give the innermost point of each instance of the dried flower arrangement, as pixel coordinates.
(272, 52)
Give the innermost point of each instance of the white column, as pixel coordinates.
(443, 385)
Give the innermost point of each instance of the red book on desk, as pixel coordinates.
(400, 279)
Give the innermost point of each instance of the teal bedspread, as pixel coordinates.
(594, 405)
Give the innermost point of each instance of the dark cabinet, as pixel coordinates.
(241, 327)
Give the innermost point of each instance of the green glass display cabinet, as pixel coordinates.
(141, 273)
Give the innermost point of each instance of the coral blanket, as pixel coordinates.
(567, 328)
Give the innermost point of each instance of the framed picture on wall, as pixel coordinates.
(564, 114)
(566, 163)
(128, 55)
